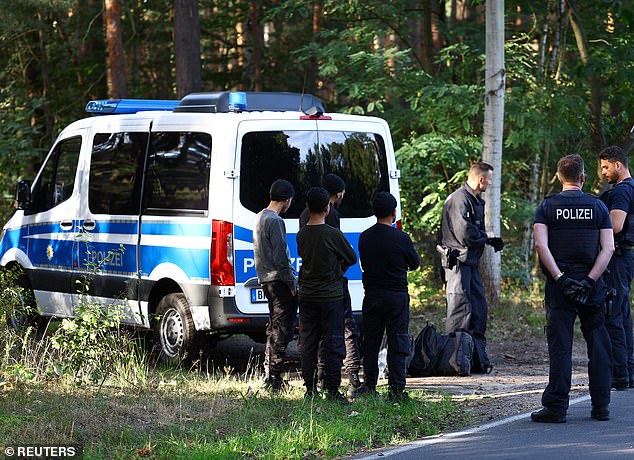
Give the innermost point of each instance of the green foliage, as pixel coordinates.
(432, 166)
(89, 348)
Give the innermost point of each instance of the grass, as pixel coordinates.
(211, 417)
(139, 411)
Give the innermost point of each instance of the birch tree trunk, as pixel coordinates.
(495, 76)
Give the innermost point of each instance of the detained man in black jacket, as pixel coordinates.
(464, 235)
(386, 255)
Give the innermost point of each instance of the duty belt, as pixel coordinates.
(574, 268)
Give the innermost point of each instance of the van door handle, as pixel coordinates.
(89, 225)
(66, 224)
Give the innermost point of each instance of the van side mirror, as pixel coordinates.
(23, 195)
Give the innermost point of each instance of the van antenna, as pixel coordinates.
(301, 99)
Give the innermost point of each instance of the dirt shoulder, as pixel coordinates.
(515, 385)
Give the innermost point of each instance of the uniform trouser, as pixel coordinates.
(385, 311)
(352, 361)
(281, 327)
(561, 314)
(619, 320)
(321, 321)
(467, 309)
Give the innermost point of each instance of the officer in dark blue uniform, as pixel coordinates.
(573, 238)
(463, 236)
(620, 202)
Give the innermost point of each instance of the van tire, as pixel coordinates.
(174, 331)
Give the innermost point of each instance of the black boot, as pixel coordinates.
(548, 416)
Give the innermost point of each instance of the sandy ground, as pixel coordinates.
(515, 385)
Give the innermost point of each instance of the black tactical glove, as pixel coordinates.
(496, 243)
(568, 286)
(583, 293)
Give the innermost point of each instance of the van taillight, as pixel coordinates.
(221, 265)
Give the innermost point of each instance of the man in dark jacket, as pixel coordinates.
(277, 277)
(463, 236)
(620, 202)
(573, 239)
(386, 255)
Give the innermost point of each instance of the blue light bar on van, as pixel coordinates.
(121, 106)
(237, 101)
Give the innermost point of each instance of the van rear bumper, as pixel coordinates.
(224, 316)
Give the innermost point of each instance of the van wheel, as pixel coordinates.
(23, 312)
(174, 332)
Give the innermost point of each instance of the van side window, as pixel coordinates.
(56, 182)
(116, 165)
(304, 157)
(178, 172)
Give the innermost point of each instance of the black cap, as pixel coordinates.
(334, 184)
(282, 190)
(383, 204)
(317, 199)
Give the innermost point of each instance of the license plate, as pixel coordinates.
(257, 296)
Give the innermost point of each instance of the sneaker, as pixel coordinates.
(334, 395)
(601, 413)
(397, 395)
(546, 415)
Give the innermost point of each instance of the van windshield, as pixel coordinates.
(304, 157)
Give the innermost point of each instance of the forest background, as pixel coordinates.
(417, 63)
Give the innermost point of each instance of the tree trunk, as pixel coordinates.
(44, 74)
(426, 48)
(495, 75)
(257, 41)
(187, 47)
(312, 72)
(117, 83)
(438, 19)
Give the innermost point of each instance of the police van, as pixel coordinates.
(161, 197)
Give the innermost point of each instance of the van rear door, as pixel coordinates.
(265, 153)
(360, 151)
(303, 151)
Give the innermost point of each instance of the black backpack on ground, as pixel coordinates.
(480, 363)
(455, 357)
(424, 352)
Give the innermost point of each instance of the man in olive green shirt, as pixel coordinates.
(326, 254)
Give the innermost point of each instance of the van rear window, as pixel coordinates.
(304, 157)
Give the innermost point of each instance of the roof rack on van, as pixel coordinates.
(225, 101)
(236, 101)
(122, 106)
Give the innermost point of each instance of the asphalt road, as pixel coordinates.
(581, 437)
